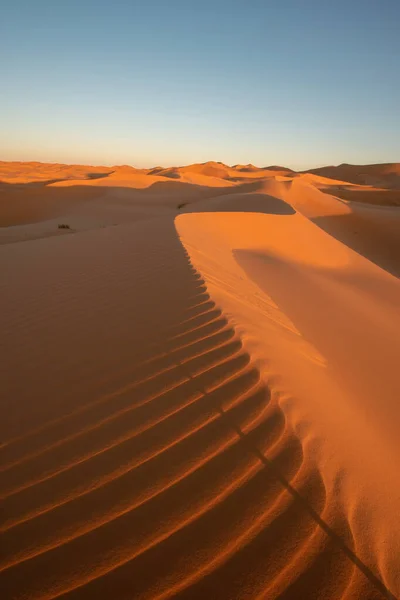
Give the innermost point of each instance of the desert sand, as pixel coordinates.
(200, 382)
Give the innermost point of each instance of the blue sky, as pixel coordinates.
(299, 83)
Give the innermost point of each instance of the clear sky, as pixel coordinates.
(296, 82)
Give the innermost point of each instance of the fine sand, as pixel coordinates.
(200, 382)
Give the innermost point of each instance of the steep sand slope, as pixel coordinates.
(203, 404)
(322, 322)
(372, 230)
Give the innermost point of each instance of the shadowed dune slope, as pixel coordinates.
(367, 195)
(372, 231)
(380, 175)
(256, 202)
(323, 320)
(27, 203)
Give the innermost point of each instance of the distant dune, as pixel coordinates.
(381, 175)
(35, 172)
(199, 382)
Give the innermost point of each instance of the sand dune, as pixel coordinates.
(199, 383)
(381, 175)
(35, 172)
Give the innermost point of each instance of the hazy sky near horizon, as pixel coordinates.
(157, 82)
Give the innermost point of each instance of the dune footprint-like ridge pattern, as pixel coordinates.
(181, 479)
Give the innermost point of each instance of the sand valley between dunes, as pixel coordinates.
(200, 382)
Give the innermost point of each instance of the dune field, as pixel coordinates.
(200, 382)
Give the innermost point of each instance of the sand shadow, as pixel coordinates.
(23, 204)
(367, 237)
(243, 203)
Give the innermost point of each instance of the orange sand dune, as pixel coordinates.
(199, 385)
(381, 175)
(215, 171)
(31, 172)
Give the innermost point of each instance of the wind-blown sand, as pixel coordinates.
(199, 383)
